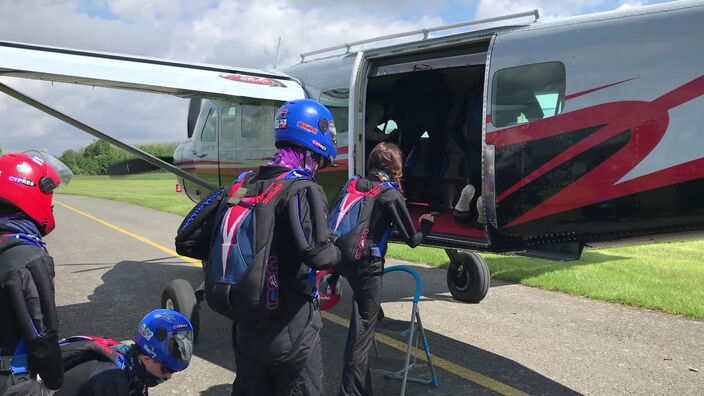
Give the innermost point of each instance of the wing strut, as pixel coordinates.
(130, 149)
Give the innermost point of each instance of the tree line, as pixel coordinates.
(98, 157)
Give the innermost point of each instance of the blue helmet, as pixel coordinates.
(308, 124)
(167, 337)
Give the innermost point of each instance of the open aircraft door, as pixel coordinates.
(403, 78)
(219, 83)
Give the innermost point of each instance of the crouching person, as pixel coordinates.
(101, 366)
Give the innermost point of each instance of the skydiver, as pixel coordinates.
(282, 355)
(99, 366)
(29, 343)
(385, 164)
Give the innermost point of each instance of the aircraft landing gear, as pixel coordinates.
(467, 276)
(178, 295)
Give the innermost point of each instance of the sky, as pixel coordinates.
(225, 32)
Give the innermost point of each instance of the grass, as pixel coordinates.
(152, 190)
(665, 276)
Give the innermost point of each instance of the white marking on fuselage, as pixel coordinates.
(681, 143)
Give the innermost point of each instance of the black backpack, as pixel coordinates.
(241, 276)
(349, 222)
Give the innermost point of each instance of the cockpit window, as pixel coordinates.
(527, 93)
(337, 101)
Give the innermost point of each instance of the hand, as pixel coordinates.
(428, 217)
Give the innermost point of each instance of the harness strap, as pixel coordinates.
(19, 358)
(15, 366)
(376, 250)
(265, 196)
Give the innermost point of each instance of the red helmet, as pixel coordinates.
(329, 288)
(28, 182)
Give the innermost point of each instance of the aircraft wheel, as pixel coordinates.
(468, 277)
(178, 295)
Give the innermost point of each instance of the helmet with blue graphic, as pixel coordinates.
(308, 124)
(166, 336)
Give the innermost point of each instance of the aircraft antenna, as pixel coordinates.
(278, 52)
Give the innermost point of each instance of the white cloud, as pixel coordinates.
(228, 32)
(548, 9)
(629, 5)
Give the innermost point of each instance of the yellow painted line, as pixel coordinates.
(446, 365)
(133, 235)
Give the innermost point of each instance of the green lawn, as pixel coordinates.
(665, 276)
(153, 190)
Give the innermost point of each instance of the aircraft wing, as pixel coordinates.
(143, 74)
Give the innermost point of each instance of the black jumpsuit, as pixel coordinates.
(283, 356)
(94, 370)
(389, 209)
(26, 274)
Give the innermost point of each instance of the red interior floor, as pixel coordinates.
(445, 223)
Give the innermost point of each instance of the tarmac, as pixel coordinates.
(114, 259)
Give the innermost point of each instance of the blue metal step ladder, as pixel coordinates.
(413, 332)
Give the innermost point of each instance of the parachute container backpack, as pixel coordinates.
(349, 225)
(241, 277)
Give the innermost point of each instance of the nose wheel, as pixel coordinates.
(178, 295)
(467, 276)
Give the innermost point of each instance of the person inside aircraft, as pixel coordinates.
(385, 164)
(374, 117)
(100, 366)
(421, 104)
(282, 355)
(465, 125)
(29, 343)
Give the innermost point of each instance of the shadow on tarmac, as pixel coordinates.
(131, 289)
(515, 268)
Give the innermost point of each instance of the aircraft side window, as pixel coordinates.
(210, 127)
(388, 127)
(337, 101)
(230, 126)
(257, 124)
(527, 93)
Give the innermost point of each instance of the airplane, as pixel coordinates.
(585, 131)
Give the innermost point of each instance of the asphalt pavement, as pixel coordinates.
(114, 259)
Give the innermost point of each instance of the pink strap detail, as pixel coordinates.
(352, 189)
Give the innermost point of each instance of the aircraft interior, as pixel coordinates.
(434, 116)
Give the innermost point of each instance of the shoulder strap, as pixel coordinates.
(236, 192)
(91, 348)
(7, 243)
(271, 191)
(352, 188)
(243, 175)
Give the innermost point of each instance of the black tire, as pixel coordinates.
(468, 279)
(178, 295)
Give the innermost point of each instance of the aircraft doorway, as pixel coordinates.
(431, 106)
